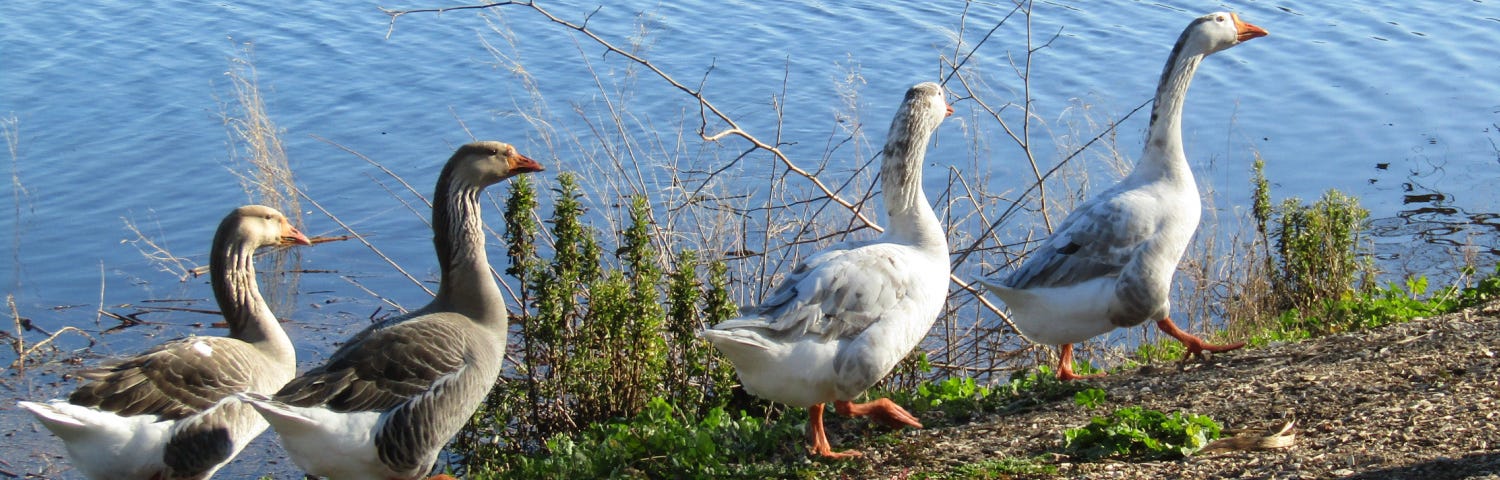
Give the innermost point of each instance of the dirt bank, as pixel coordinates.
(1418, 400)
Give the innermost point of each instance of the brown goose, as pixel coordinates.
(170, 413)
(844, 317)
(1110, 263)
(386, 403)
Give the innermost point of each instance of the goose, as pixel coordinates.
(387, 401)
(844, 317)
(1110, 263)
(170, 412)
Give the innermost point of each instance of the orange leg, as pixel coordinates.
(883, 410)
(1195, 346)
(1065, 365)
(819, 438)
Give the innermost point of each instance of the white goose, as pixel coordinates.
(170, 412)
(386, 403)
(844, 317)
(1110, 263)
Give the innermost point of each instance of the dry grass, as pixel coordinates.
(257, 141)
(10, 130)
(157, 253)
(267, 173)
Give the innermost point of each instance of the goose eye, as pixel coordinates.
(1219, 19)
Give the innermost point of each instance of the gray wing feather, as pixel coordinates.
(199, 444)
(172, 380)
(1097, 240)
(835, 294)
(383, 366)
(416, 431)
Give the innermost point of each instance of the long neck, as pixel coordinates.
(910, 218)
(1164, 156)
(466, 285)
(232, 272)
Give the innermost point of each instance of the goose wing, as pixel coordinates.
(173, 380)
(837, 293)
(385, 365)
(1097, 240)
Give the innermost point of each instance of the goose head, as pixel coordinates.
(1217, 31)
(482, 164)
(921, 112)
(262, 226)
(925, 107)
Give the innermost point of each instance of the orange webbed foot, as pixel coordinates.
(1065, 366)
(1195, 346)
(882, 410)
(819, 438)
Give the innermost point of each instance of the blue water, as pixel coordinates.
(117, 110)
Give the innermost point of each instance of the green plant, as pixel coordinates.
(1262, 208)
(1394, 303)
(1482, 291)
(1089, 398)
(956, 397)
(1138, 434)
(1322, 250)
(1002, 468)
(1379, 306)
(1164, 349)
(663, 441)
(1028, 389)
(596, 343)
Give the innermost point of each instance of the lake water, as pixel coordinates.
(116, 110)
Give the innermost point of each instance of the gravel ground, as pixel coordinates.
(1418, 400)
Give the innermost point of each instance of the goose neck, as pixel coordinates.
(909, 217)
(1164, 152)
(466, 285)
(232, 274)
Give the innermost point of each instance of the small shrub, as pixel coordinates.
(1136, 433)
(1322, 250)
(595, 343)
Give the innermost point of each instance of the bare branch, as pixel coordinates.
(732, 129)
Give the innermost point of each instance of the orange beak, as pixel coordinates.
(523, 164)
(950, 111)
(1247, 31)
(291, 236)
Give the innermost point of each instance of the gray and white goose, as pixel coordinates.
(1110, 263)
(170, 412)
(844, 317)
(387, 401)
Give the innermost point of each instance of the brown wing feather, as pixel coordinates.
(382, 366)
(172, 380)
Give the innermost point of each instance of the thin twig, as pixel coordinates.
(732, 128)
(361, 238)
